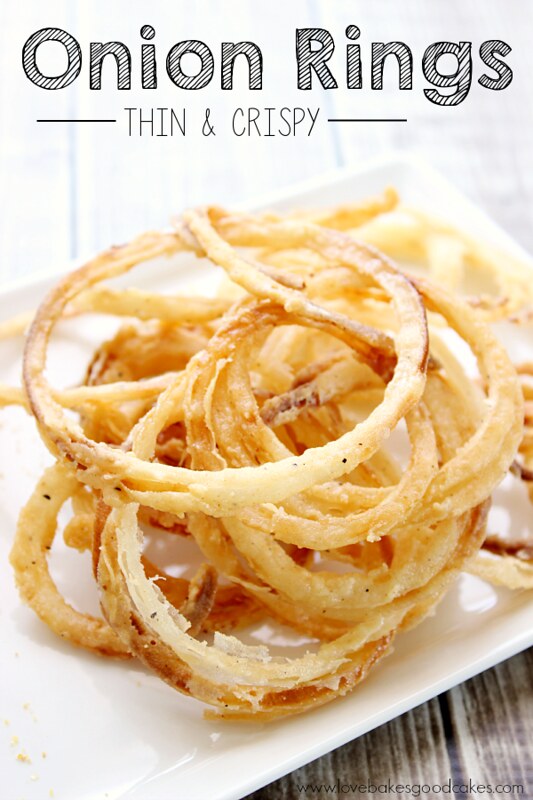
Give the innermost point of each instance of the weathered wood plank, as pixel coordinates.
(482, 145)
(481, 730)
(35, 159)
(410, 749)
(492, 717)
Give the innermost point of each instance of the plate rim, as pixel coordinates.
(406, 159)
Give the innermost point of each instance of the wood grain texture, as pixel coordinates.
(36, 223)
(481, 730)
(493, 723)
(483, 145)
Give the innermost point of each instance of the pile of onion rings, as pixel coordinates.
(310, 427)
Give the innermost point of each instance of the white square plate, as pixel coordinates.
(96, 729)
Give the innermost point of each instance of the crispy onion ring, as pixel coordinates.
(180, 490)
(36, 531)
(257, 423)
(241, 680)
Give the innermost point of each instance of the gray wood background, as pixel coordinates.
(69, 190)
(480, 731)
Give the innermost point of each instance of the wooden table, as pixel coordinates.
(481, 731)
(69, 190)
